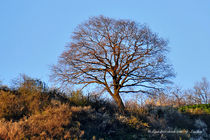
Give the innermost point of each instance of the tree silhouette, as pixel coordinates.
(120, 56)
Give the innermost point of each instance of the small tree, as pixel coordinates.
(202, 91)
(119, 55)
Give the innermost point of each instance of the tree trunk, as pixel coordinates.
(119, 103)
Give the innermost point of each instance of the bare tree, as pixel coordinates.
(121, 56)
(199, 94)
(202, 91)
(178, 96)
(190, 99)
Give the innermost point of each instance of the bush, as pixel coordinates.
(196, 109)
(35, 101)
(16, 104)
(54, 122)
(30, 97)
(34, 94)
(78, 99)
(12, 106)
(11, 130)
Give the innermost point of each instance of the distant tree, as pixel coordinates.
(121, 56)
(25, 82)
(178, 96)
(199, 94)
(202, 91)
(189, 97)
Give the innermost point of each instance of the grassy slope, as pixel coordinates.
(30, 113)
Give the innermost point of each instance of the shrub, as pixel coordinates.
(55, 122)
(24, 102)
(11, 106)
(34, 94)
(196, 109)
(35, 101)
(11, 130)
(132, 122)
(135, 109)
(77, 98)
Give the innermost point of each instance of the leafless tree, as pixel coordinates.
(199, 94)
(178, 96)
(202, 91)
(190, 98)
(121, 56)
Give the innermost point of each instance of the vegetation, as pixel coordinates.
(32, 111)
(196, 109)
(120, 56)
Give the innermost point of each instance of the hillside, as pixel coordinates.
(32, 111)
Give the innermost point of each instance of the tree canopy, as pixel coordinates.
(121, 56)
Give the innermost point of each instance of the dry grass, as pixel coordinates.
(11, 106)
(11, 130)
(30, 114)
(52, 123)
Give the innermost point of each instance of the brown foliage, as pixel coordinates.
(11, 106)
(53, 123)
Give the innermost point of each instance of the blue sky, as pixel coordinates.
(33, 33)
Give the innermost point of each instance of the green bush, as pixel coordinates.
(196, 109)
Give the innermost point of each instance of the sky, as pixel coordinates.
(33, 33)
